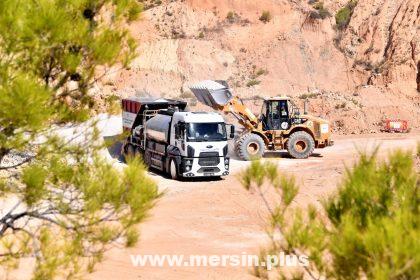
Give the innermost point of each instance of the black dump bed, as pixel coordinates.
(134, 107)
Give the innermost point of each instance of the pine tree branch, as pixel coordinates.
(26, 160)
(8, 221)
(276, 226)
(62, 81)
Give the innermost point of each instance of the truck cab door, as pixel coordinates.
(179, 136)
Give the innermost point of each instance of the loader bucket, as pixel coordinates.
(212, 93)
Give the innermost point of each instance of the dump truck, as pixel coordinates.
(395, 126)
(172, 140)
(279, 126)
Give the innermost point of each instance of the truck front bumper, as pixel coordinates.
(191, 167)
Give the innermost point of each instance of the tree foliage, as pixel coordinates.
(368, 229)
(321, 11)
(60, 201)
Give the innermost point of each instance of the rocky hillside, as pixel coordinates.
(357, 62)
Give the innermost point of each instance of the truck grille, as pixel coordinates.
(209, 159)
(208, 170)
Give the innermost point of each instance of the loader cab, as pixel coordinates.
(276, 113)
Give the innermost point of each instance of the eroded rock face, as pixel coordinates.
(383, 38)
(356, 77)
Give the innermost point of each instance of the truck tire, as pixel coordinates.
(147, 159)
(132, 151)
(300, 145)
(129, 151)
(173, 169)
(138, 153)
(250, 146)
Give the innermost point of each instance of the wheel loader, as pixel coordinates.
(279, 126)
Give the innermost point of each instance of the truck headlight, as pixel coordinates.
(324, 128)
(188, 168)
(226, 166)
(188, 162)
(226, 161)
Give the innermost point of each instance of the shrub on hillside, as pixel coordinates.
(265, 16)
(309, 95)
(230, 16)
(321, 12)
(253, 82)
(342, 17)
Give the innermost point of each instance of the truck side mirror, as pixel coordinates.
(179, 131)
(232, 131)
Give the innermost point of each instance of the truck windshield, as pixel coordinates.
(201, 132)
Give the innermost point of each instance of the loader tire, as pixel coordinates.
(300, 145)
(250, 146)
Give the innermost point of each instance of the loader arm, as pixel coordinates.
(241, 113)
(217, 95)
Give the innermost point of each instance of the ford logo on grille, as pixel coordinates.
(209, 147)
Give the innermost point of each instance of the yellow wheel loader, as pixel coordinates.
(279, 126)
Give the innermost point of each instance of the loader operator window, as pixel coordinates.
(203, 132)
(277, 115)
(283, 110)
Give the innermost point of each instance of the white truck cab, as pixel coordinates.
(201, 139)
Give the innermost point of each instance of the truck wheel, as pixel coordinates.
(138, 153)
(173, 170)
(147, 158)
(300, 145)
(250, 146)
(129, 151)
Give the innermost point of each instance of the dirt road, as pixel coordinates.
(221, 217)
